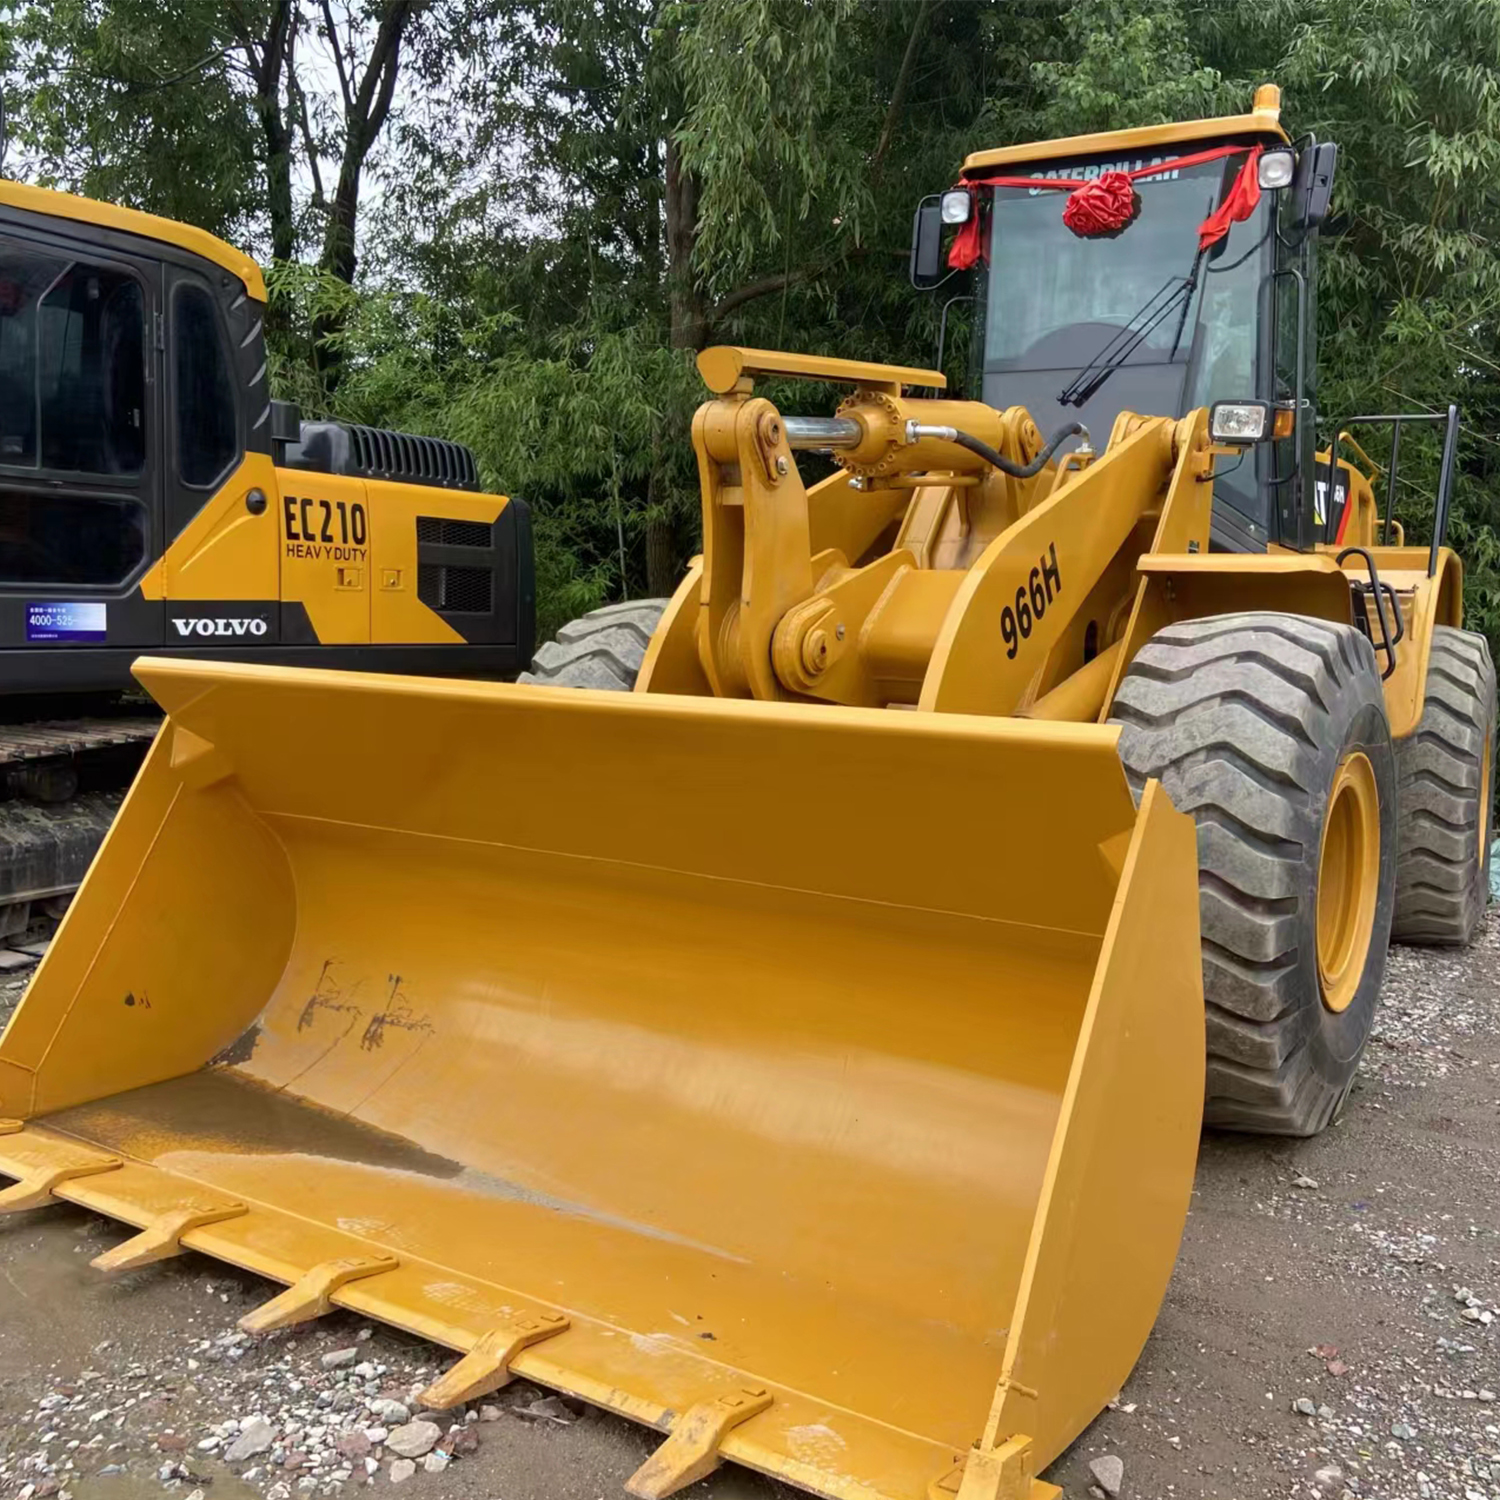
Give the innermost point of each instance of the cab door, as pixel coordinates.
(80, 450)
(222, 567)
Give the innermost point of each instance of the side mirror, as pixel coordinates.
(927, 243)
(1312, 187)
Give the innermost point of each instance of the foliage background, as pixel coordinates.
(513, 223)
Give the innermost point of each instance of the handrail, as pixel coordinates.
(1444, 500)
(1379, 591)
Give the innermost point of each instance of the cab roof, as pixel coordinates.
(131, 221)
(1264, 119)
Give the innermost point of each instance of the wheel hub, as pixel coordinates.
(1348, 879)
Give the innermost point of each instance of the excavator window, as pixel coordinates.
(72, 401)
(78, 540)
(207, 443)
(91, 372)
(24, 276)
(72, 365)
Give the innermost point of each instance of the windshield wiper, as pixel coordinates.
(1174, 295)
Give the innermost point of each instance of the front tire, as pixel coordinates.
(602, 650)
(1447, 770)
(1271, 730)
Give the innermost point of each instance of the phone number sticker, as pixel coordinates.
(51, 621)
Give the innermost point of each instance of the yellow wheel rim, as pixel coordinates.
(1348, 878)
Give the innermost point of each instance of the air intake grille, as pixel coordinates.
(454, 590)
(439, 531)
(382, 454)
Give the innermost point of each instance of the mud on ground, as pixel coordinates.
(1332, 1329)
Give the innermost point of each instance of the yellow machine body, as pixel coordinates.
(343, 556)
(803, 1055)
(898, 583)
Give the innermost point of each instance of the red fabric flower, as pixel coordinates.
(1102, 206)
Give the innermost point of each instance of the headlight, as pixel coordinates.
(1275, 168)
(957, 206)
(1240, 422)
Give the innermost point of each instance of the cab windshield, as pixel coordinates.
(1051, 301)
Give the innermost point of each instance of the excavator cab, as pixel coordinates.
(1080, 319)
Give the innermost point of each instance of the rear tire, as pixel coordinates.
(1258, 725)
(1447, 771)
(603, 649)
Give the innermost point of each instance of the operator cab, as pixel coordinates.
(1081, 320)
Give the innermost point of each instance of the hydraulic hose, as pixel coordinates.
(993, 456)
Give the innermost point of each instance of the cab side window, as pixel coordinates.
(92, 368)
(73, 394)
(24, 277)
(207, 437)
(72, 365)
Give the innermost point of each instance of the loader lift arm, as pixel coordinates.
(778, 619)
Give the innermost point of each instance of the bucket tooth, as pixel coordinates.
(311, 1295)
(161, 1239)
(40, 1186)
(486, 1367)
(692, 1451)
(1006, 1472)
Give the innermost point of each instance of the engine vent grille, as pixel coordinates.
(382, 454)
(456, 590)
(441, 531)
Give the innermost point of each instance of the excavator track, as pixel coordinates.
(62, 781)
(21, 744)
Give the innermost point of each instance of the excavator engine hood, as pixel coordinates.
(819, 1086)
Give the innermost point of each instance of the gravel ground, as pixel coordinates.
(1332, 1330)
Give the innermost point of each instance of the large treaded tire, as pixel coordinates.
(1447, 786)
(603, 649)
(1246, 719)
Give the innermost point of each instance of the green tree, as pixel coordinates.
(134, 103)
(212, 114)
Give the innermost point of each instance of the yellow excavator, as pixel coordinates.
(154, 498)
(804, 1053)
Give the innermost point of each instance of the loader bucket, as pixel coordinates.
(819, 1086)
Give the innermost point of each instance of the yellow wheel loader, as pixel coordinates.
(803, 1053)
(154, 498)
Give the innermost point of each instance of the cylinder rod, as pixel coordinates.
(822, 432)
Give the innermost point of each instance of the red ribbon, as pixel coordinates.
(1239, 203)
(1098, 203)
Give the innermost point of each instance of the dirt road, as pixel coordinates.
(1357, 1275)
